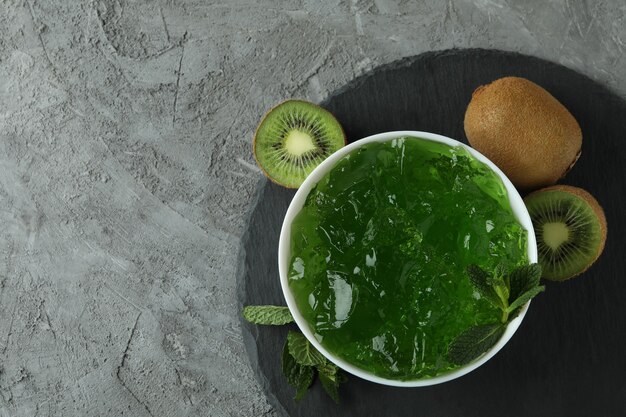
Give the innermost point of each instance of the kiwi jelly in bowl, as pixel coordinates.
(374, 247)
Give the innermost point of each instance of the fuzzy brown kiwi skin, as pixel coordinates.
(595, 206)
(343, 133)
(517, 100)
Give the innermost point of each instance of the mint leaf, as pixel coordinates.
(500, 283)
(499, 274)
(341, 377)
(482, 283)
(473, 342)
(328, 368)
(298, 376)
(524, 278)
(302, 351)
(330, 383)
(525, 297)
(270, 315)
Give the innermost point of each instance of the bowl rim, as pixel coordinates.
(517, 205)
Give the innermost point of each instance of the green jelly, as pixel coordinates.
(380, 248)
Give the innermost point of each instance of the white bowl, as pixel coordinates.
(284, 255)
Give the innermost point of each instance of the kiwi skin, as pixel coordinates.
(595, 206)
(345, 142)
(524, 130)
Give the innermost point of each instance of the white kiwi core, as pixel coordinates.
(297, 143)
(555, 234)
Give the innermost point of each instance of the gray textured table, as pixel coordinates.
(126, 177)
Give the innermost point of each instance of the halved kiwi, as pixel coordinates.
(294, 138)
(570, 227)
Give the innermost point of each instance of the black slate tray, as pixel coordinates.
(568, 358)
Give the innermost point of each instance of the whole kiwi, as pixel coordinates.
(524, 130)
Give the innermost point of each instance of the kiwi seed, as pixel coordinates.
(570, 227)
(524, 130)
(294, 138)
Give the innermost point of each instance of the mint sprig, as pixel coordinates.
(306, 355)
(300, 360)
(298, 376)
(509, 292)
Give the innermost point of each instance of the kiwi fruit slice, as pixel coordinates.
(294, 138)
(570, 227)
(524, 130)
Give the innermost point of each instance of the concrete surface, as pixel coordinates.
(126, 174)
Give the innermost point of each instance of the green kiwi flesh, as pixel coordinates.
(294, 138)
(570, 228)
